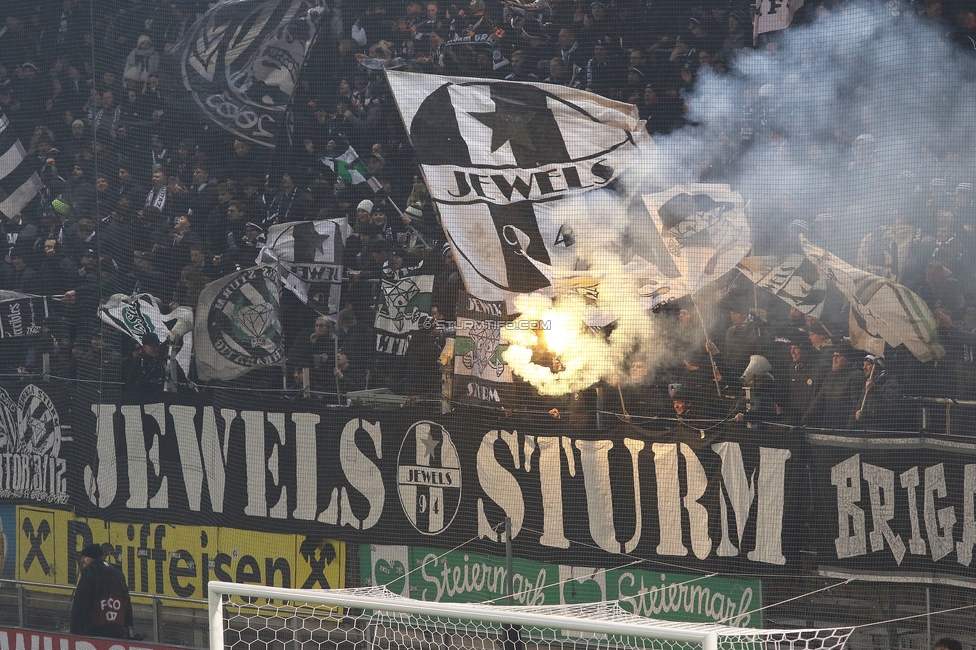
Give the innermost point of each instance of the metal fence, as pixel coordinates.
(161, 619)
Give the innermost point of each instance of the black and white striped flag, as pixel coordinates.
(18, 182)
(509, 164)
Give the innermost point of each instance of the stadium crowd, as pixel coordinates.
(140, 196)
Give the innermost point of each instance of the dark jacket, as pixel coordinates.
(101, 605)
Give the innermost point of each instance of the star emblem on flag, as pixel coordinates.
(508, 123)
(318, 242)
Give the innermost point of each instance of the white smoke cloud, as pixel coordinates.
(781, 127)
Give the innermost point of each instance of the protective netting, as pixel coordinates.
(251, 623)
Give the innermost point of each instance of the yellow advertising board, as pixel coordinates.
(174, 560)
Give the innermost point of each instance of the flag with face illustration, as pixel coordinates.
(505, 161)
(704, 228)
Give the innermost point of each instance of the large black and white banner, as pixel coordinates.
(509, 165)
(895, 508)
(408, 477)
(33, 463)
(900, 508)
(241, 60)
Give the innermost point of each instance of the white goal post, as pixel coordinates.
(255, 617)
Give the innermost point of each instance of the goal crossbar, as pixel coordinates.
(618, 624)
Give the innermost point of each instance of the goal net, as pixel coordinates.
(253, 617)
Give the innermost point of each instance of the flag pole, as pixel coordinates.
(867, 387)
(708, 344)
(417, 232)
(335, 363)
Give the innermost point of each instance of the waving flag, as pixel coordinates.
(310, 255)
(704, 228)
(350, 169)
(140, 314)
(774, 15)
(404, 308)
(501, 158)
(480, 374)
(241, 60)
(18, 182)
(793, 278)
(237, 328)
(885, 309)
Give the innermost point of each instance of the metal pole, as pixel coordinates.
(157, 611)
(928, 617)
(599, 406)
(21, 607)
(509, 578)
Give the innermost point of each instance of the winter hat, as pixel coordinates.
(94, 551)
(366, 205)
(78, 122)
(143, 39)
(740, 17)
(876, 360)
(59, 206)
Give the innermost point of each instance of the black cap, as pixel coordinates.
(817, 328)
(93, 551)
(379, 246)
(844, 349)
(151, 339)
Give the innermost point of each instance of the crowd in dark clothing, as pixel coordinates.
(140, 195)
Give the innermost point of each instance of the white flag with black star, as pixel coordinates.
(310, 255)
(501, 159)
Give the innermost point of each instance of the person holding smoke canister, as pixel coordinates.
(101, 605)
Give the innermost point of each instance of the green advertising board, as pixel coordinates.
(462, 577)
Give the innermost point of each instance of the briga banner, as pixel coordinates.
(899, 507)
